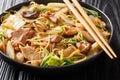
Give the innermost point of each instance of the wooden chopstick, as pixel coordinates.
(88, 28)
(83, 13)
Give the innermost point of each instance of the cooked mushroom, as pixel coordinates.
(31, 14)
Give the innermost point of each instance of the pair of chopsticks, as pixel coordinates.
(82, 16)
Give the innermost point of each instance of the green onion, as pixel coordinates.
(66, 61)
(1, 35)
(71, 41)
(92, 12)
(99, 27)
(82, 37)
(51, 60)
(41, 8)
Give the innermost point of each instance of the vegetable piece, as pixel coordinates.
(51, 60)
(86, 36)
(99, 27)
(67, 20)
(4, 16)
(10, 50)
(57, 30)
(55, 5)
(94, 49)
(13, 22)
(92, 12)
(66, 61)
(82, 37)
(2, 46)
(1, 35)
(71, 41)
(41, 8)
(98, 22)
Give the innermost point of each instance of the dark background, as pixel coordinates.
(103, 68)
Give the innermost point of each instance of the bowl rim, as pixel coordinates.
(64, 66)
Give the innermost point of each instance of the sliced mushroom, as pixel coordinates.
(31, 14)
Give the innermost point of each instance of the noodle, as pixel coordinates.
(47, 35)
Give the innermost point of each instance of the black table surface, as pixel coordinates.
(102, 69)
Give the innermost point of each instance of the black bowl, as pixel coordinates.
(59, 69)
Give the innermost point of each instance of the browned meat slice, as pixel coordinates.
(55, 38)
(51, 46)
(36, 26)
(53, 19)
(31, 14)
(29, 54)
(21, 35)
(70, 31)
(68, 51)
(50, 15)
(83, 46)
(19, 57)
